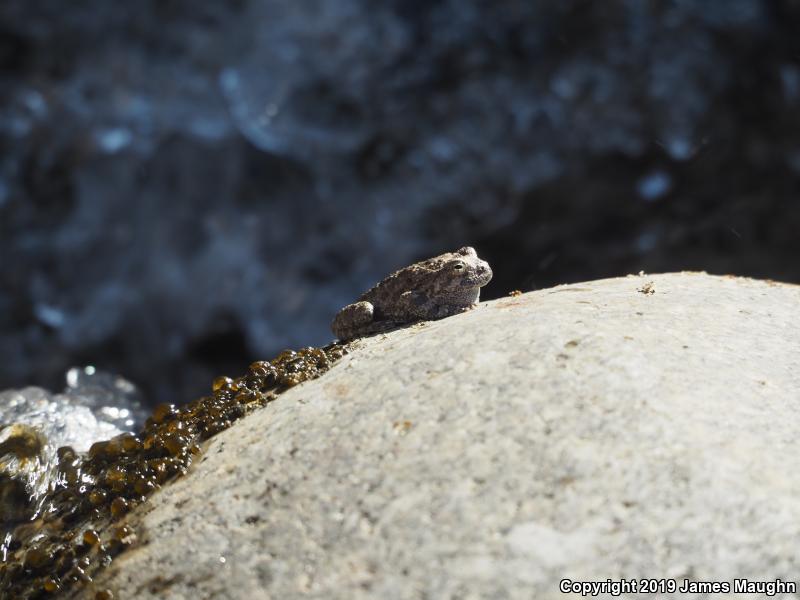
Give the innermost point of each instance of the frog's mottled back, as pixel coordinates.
(431, 289)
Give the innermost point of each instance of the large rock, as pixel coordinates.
(632, 427)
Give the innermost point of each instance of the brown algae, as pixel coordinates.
(80, 529)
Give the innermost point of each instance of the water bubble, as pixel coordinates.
(114, 140)
(49, 315)
(654, 185)
(679, 148)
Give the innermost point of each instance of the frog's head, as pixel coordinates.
(458, 277)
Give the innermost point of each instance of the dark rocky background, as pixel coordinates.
(186, 186)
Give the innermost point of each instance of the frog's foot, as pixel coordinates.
(445, 310)
(353, 320)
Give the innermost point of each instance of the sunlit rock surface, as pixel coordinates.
(619, 428)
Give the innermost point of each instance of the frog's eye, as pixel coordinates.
(458, 266)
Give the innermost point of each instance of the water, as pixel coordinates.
(34, 423)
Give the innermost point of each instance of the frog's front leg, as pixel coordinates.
(353, 320)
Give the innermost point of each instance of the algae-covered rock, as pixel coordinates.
(62, 517)
(34, 423)
(625, 428)
(25, 467)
